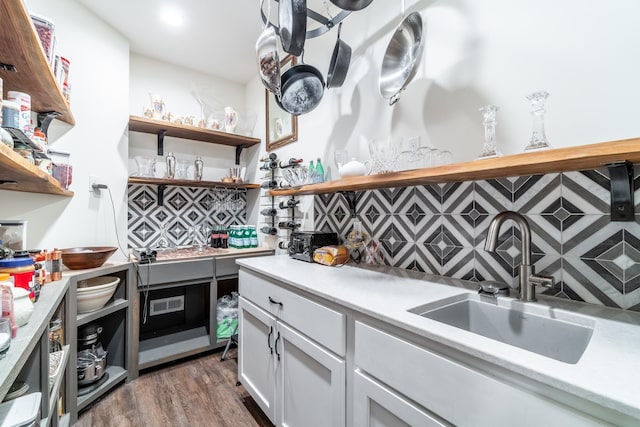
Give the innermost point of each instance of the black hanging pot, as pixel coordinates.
(352, 5)
(339, 62)
(292, 20)
(302, 88)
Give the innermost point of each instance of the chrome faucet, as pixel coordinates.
(528, 278)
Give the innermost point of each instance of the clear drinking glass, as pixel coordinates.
(5, 335)
(539, 138)
(490, 148)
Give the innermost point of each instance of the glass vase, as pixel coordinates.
(539, 138)
(490, 147)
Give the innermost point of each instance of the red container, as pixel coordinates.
(22, 270)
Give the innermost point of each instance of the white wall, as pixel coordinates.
(177, 85)
(479, 53)
(100, 84)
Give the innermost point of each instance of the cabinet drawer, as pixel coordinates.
(458, 394)
(320, 323)
(226, 267)
(375, 405)
(175, 271)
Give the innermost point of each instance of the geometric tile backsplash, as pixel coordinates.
(183, 207)
(441, 229)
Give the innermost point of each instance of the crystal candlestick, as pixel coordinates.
(538, 139)
(490, 148)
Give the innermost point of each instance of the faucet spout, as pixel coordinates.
(494, 232)
(528, 279)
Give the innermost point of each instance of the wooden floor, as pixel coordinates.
(197, 392)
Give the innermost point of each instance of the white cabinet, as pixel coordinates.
(453, 391)
(377, 406)
(292, 375)
(256, 358)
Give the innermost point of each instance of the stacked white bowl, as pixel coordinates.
(94, 293)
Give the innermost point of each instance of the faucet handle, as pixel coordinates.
(540, 280)
(493, 289)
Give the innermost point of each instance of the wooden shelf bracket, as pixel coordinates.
(622, 200)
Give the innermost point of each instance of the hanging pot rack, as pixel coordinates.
(326, 23)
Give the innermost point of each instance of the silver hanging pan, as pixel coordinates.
(267, 55)
(402, 57)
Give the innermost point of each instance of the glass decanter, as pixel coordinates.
(163, 241)
(539, 138)
(490, 148)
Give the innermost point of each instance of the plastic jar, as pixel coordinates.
(22, 270)
(6, 302)
(10, 114)
(24, 117)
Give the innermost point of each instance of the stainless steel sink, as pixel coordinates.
(545, 332)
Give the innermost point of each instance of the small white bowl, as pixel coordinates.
(94, 293)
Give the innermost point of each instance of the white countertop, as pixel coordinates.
(606, 374)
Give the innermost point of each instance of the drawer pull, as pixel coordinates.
(269, 339)
(272, 301)
(276, 346)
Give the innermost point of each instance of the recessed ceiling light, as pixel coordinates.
(172, 16)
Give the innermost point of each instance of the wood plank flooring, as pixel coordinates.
(197, 392)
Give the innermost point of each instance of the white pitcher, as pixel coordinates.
(230, 119)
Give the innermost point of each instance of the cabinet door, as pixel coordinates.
(256, 369)
(376, 406)
(311, 382)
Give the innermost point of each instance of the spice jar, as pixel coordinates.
(24, 151)
(56, 264)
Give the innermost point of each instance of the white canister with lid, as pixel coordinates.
(24, 101)
(22, 306)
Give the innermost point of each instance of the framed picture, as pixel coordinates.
(282, 127)
(13, 234)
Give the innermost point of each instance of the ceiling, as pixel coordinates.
(217, 36)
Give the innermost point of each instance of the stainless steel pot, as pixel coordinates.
(91, 366)
(292, 21)
(401, 58)
(267, 55)
(269, 60)
(352, 4)
(339, 62)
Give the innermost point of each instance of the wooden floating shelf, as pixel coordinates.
(576, 158)
(189, 183)
(17, 174)
(20, 47)
(141, 124)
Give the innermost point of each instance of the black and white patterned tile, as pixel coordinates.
(457, 197)
(441, 229)
(587, 191)
(537, 193)
(183, 207)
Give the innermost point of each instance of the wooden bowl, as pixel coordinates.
(86, 257)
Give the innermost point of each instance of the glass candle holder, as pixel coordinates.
(490, 147)
(539, 138)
